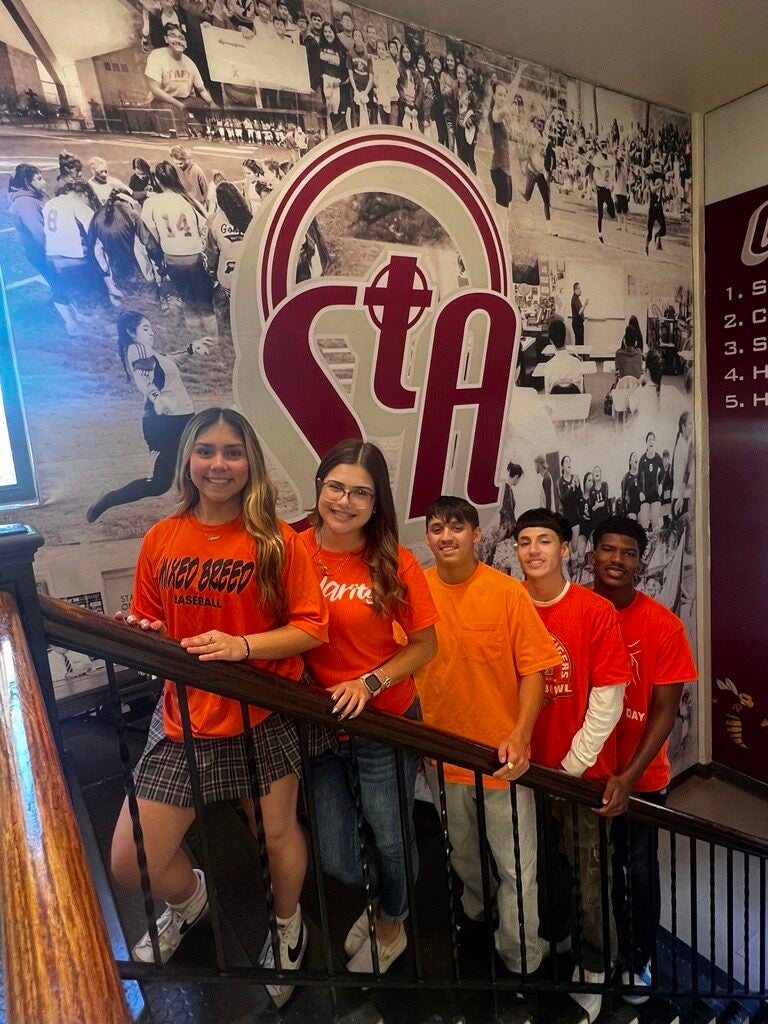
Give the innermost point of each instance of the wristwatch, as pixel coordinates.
(373, 683)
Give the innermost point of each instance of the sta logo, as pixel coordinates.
(755, 247)
(428, 336)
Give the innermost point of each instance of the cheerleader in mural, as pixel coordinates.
(499, 124)
(167, 407)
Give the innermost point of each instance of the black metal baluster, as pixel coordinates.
(197, 799)
(133, 809)
(360, 821)
(545, 824)
(406, 827)
(453, 928)
(729, 921)
(518, 879)
(605, 908)
(712, 924)
(485, 873)
(629, 905)
(746, 923)
(763, 929)
(317, 860)
(576, 901)
(261, 839)
(673, 900)
(693, 872)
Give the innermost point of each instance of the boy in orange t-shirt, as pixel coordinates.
(661, 663)
(486, 684)
(583, 703)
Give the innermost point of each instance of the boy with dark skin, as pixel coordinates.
(662, 663)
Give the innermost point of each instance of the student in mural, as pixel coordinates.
(26, 197)
(360, 69)
(101, 181)
(410, 89)
(578, 305)
(585, 521)
(651, 473)
(228, 225)
(441, 94)
(535, 166)
(570, 497)
(657, 222)
(661, 664)
(167, 407)
(487, 685)
(226, 511)
(381, 630)
(385, 84)
(631, 500)
(142, 181)
(332, 60)
(499, 125)
(179, 225)
(465, 117)
(573, 733)
(123, 245)
(628, 358)
(174, 80)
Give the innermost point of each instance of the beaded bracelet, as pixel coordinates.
(247, 647)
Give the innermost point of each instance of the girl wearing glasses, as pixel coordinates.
(381, 629)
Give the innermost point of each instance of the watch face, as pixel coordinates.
(373, 682)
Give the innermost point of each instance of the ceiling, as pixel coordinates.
(689, 54)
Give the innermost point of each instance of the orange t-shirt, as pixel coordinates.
(586, 633)
(660, 656)
(194, 583)
(358, 640)
(489, 636)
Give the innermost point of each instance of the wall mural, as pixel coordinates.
(343, 224)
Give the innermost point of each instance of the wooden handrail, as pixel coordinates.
(82, 630)
(57, 962)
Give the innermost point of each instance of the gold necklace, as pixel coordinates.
(323, 567)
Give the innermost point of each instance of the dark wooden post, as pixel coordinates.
(18, 545)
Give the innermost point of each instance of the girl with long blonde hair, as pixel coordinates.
(231, 582)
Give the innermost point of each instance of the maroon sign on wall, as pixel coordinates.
(737, 369)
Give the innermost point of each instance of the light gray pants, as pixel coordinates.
(461, 809)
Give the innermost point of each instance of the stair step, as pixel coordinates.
(734, 1013)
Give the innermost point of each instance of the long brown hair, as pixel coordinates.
(381, 537)
(259, 499)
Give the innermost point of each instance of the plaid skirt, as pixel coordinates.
(161, 773)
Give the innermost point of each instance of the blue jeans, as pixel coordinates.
(337, 825)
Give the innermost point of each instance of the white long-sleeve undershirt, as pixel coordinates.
(603, 713)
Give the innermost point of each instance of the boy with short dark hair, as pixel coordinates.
(661, 664)
(583, 703)
(486, 684)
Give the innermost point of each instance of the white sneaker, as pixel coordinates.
(643, 978)
(173, 924)
(291, 955)
(590, 1002)
(357, 934)
(362, 961)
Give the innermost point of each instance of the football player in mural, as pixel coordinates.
(167, 407)
(381, 630)
(661, 664)
(582, 704)
(486, 684)
(270, 612)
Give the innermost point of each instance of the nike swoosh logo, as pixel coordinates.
(293, 951)
(184, 928)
